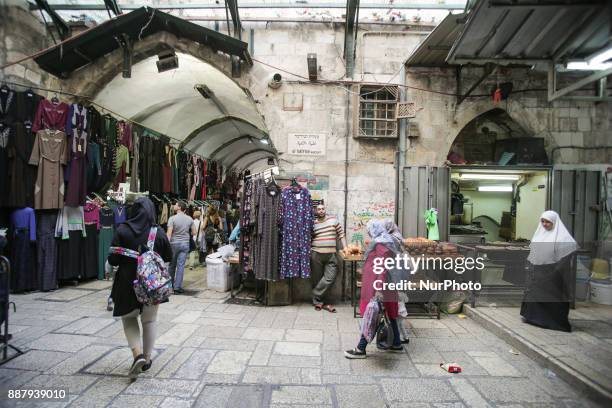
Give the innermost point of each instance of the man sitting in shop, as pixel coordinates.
(325, 235)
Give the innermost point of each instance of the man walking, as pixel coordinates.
(323, 264)
(180, 230)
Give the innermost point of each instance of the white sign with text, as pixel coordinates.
(306, 144)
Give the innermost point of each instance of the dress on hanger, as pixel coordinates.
(50, 153)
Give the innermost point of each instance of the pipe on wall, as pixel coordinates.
(552, 152)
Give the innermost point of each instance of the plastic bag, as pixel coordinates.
(226, 251)
(453, 302)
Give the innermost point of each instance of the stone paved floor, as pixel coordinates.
(210, 354)
(587, 349)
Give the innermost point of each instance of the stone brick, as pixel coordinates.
(229, 362)
(301, 395)
(425, 390)
(297, 349)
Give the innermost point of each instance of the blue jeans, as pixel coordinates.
(180, 251)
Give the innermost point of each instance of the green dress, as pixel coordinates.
(431, 221)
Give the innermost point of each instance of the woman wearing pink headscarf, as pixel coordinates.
(547, 292)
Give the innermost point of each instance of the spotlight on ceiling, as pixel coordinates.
(270, 161)
(205, 91)
(167, 61)
(250, 139)
(264, 140)
(312, 66)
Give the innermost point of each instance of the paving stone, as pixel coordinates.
(293, 361)
(187, 317)
(418, 389)
(161, 357)
(314, 336)
(301, 395)
(175, 362)
(111, 361)
(101, 393)
(229, 362)
(172, 402)
(261, 354)
(297, 349)
(311, 376)
(388, 367)
(254, 333)
(65, 295)
(208, 314)
(432, 370)
(468, 393)
(74, 383)
(510, 390)
(164, 387)
(498, 367)
(196, 365)
(87, 325)
(13, 378)
(61, 342)
(363, 396)
(348, 379)
(77, 361)
(271, 375)
(177, 334)
(335, 363)
(223, 332)
(136, 401)
(96, 285)
(229, 344)
(213, 397)
(37, 360)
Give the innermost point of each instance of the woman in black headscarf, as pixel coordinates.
(133, 235)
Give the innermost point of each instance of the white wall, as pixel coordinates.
(531, 206)
(489, 203)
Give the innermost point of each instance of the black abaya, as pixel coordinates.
(547, 295)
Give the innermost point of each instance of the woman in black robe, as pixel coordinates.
(547, 292)
(133, 235)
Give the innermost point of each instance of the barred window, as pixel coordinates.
(377, 112)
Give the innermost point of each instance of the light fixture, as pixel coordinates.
(264, 140)
(270, 161)
(600, 56)
(480, 176)
(167, 61)
(585, 66)
(276, 81)
(497, 189)
(250, 139)
(205, 91)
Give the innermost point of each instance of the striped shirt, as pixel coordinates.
(325, 234)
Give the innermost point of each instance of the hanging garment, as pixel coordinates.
(94, 166)
(21, 176)
(4, 163)
(120, 214)
(124, 134)
(7, 104)
(297, 223)
(91, 212)
(51, 116)
(105, 237)
(204, 179)
(23, 227)
(71, 259)
(94, 125)
(431, 221)
(196, 177)
(77, 179)
(189, 176)
(134, 176)
(265, 238)
(245, 226)
(70, 219)
(46, 253)
(27, 105)
(122, 164)
(175, 173)
(90, 253)
(107, 157)
(167, 170)
(50, 153)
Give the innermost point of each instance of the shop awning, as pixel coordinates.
(87, 47)
(527, 32)
(434, 49)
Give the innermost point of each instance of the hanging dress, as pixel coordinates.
(297, 222)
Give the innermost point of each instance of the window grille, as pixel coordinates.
(377, 114)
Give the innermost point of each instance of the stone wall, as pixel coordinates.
(560, 123)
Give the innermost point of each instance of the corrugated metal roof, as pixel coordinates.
(85, 48)
(525, 31)
(433, 50)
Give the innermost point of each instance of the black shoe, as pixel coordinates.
(136, 367)
(355, 353)
(179, 291)
(109, 305)
(147, 365)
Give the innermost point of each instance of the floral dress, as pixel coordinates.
(296, 218)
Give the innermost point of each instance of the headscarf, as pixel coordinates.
(143, 216)
(379, 234)
(549, 247)
(393, 230)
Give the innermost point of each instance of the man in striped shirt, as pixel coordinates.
(323, 264)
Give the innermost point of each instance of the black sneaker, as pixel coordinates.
(179, 291)
(147, 365)
(355, 353)
(136, 367)
(109, 305)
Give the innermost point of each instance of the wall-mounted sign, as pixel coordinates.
(306, 144)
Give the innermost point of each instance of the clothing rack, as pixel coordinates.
(5, 278)
(105, 109)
